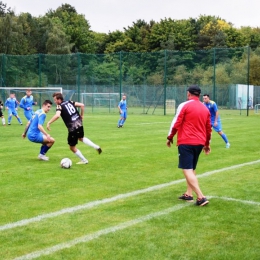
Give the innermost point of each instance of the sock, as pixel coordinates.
(19, 120)
(9, 119)
(3, 121)
(224, 138)
(41, 150)
(119, 121)
(123, 121)
(90, 143)
(80, 155)
(45, 149)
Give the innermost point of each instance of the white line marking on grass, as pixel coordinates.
(87, 238)
(112, 199)
(124, 225)
(236, 200)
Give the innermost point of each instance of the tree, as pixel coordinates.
(57, 40)
(76, 26)
(4, 10)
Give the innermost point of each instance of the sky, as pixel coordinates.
(111, 15)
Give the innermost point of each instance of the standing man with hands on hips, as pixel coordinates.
(192, 123)
(122, 107)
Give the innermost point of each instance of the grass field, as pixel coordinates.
(123, 204)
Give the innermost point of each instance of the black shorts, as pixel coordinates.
(189, 156)
(1, 113)
(75, 135)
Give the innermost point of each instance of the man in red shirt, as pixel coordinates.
(192, 122)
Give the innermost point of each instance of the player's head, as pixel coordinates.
(206, 98)
(58, 98)
(28, 92)
(194, 90)
(12, 95)
(124, 96)
(46, 105)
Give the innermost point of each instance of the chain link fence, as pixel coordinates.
(155, 83)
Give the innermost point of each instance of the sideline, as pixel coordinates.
(92, 204)
(87, 238)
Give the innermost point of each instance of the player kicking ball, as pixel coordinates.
(68, 111)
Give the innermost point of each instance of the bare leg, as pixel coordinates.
(192, 182)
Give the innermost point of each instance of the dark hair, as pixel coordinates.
(194, 90)
(58, 95)
(47, 101)
(207, 95)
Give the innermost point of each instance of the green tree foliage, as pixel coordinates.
(255, 68)
(76, 26)
(4, 10)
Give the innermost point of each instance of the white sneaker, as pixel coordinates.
(43, 157)
(82, 162)
(227, 145)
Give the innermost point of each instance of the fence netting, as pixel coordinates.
(155, 83)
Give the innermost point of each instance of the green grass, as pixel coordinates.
(134, 158)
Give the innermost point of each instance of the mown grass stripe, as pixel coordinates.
(92, 204)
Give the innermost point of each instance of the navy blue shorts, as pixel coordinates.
(189, 156)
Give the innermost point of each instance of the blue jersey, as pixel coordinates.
(37, 119)
(11, 103)
(122, 105)
(213, 108)
(27, 102)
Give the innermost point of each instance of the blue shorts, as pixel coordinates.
(124, 114)
(217, 128)
(28, 114)
(189, 156)
(36, 138)
(12, 112)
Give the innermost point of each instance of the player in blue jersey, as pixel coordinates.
(36, 133)
(1, 113)
(26, 104)
(11, 105)
(215, 118)
(122, 107)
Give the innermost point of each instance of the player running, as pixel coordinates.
(26, 104)
(11, 105)
(36, 133)
(68, 111)
(215, 118)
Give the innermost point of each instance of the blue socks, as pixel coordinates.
(44, 149)
(224, 138)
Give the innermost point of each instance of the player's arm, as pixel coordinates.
(119, 108)
(53, 119)
(82, 107)
(26, 129)
(22, 103)
(40, 127)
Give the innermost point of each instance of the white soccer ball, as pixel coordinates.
(66, 163)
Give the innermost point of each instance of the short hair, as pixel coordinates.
(205, 95)
(47, 101)
(58, 95)
(194, 90)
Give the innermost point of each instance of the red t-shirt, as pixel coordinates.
(192, 122)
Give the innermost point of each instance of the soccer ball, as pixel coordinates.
(66, 163)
